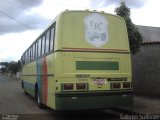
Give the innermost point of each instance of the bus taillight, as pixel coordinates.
(126, 85)
(81, 86)
(115, 85)
(67, 86)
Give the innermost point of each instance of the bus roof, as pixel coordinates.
(66, 11)
(57, 18)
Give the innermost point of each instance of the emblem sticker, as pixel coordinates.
(96, 29)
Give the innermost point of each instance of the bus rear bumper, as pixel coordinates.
(93, 100)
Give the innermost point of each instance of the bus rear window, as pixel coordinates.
(97, 65)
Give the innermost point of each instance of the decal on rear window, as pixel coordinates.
(96, 29)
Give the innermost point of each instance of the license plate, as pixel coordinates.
(99, 81)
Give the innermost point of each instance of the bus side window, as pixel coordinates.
(33, 51)
(36, 48)
(47, 41)
(52, 39)
(43, 45)
(28, 55)
(29, 50)
(24, 57)
(39, 47)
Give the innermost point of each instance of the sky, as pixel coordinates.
(23, 20)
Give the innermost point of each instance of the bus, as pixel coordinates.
(81, 61)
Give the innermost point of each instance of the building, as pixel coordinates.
(146, 65)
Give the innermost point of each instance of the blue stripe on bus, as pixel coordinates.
(38, 69)
(28, 85)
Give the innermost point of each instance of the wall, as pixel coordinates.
(146, 70)
(149, 34)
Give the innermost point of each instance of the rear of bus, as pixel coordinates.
(93, 62)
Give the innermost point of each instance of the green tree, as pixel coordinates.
(14, 67)
(5, 64)
(134, 35)
(4, 67)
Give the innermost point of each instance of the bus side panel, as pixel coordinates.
(45, 80)
(29, 78)
(41, 72)
(51, 81)
(93, 100)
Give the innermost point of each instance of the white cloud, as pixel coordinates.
(148, 15)
(105, 3)
(50, 8)
(17, 14)
(38, 14)
(143, 12)
(13, 45)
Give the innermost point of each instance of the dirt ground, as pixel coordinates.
(147, 105)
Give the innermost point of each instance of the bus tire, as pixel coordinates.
(37, 97)
(22, 84)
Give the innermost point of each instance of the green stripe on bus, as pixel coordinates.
(97, 65)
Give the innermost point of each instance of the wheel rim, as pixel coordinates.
(38, 99)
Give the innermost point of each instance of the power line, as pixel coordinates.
(26, 26)
(3, 60)
(64, 4)
(13, 3)
(13, 18)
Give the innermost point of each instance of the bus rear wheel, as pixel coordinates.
(40, 105)
(22, 85)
